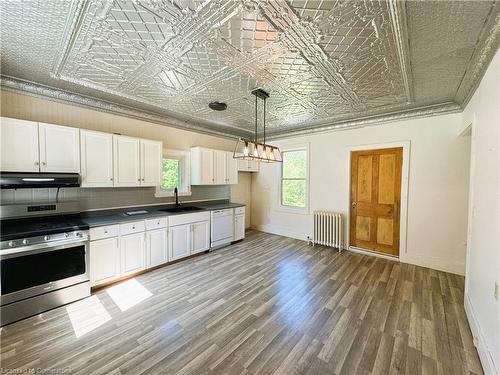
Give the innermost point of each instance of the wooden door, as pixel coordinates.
(375, 199)
(96, 159)
(19, 146)
(126, 169)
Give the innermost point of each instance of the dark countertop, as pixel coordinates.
(116, 216)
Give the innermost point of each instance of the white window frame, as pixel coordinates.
(184, 158)
(291, 209)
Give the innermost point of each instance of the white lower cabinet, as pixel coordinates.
(104, 260)
(239, 227)
(179, 241)
(200, 237)
(156, 247)
(132, 253)
(124, 249)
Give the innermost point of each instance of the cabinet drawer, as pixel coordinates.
(132, 227)
(239, 210)
(157, 223)
(189, 218)
(105, 231)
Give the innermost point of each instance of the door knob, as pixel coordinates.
(354, 204)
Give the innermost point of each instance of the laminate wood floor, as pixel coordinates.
(267, 305)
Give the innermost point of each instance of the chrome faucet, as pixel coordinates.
(177, 204)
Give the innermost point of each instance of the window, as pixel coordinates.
(294, 179)
(174, 174)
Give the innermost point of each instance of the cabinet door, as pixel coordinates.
(126, 161)
(104, 261)
(220, 160)
(151, 159)
(96, 159)
(59, 148)
(231, 169)
(179, 241)
(242, 165)
(156, 247)
(253, 166)
(19, 146)
(207, 167)
(200, 237)
(132, 253)
(239, 227)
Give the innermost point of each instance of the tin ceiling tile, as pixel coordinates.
(326, 64)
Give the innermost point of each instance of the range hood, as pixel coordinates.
(15, 180)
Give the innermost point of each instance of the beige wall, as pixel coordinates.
(437, 196)
(36, 109)
(242, 193)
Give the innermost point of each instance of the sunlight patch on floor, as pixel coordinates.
(128, 294)
(87, 315)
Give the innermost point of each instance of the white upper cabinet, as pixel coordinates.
(248, 165)
(19, 146)
(151, 160)
(126, 168)
(202, 166)
(213, 167)
(59, 148)
(96, 159)
(231, 169)
(220, 161)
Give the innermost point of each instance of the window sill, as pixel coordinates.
(167, 194)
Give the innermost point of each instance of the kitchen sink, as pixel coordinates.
(182, 209)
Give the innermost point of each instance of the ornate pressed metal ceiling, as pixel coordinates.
(327, 64)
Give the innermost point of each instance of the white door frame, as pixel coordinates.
(405, 174)
(470, 130)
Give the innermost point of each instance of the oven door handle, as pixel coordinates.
(40, 248)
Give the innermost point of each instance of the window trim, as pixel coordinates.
(292, 209)
(184, 158)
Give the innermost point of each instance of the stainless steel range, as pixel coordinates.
(44, 259)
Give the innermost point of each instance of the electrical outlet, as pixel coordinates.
(497, 290)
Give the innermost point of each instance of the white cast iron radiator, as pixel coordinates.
(328, 229)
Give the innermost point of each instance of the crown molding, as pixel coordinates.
(489, 44)
(427, 111)
(66, 97)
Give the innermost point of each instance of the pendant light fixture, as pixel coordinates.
(247, 149)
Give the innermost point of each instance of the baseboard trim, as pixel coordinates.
(280, 231)
(434, 263)
(479, 340)
(372, 253)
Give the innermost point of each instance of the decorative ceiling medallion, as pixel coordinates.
(329, 64)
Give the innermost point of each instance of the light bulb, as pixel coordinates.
(245, 150)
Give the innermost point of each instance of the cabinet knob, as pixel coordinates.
(111, 179)
(44, 163)
(37, 163)
(139, 179)
(142, 179)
